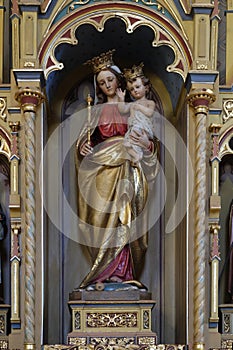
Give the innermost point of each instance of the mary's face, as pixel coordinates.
(107, 82)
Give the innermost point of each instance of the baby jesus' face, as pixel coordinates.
(136, 88)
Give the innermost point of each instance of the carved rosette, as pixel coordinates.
(200, 101)
(29, 100)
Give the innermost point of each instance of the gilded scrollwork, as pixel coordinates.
(155, 3)
(127, 319)
(227, 110)
(3, 344)
(2, 324)
(150, 341)
(109, 342)
(227, 323)
(2, 108)
(162, 36)
(146, 319)
(227, 344)
(81, 342)
(77, 320)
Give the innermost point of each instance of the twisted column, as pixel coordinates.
(29, 100)
(200, 100)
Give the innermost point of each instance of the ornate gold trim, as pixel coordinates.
(200, 99)
(162, 36)
(3, 108)
(29, 99)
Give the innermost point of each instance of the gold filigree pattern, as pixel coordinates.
(97, 18)
(3, 344)
(112, 341)
(2, 324)
(77, 320)
(227, 344)
(147, 341)
(111, 320)
(2, 108)
(228, 110)
(226, 323)
(79, 341)
(146, 319)
(145, 2)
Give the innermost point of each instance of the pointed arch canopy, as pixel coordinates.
(165, 33)
(5, 143)
(225, 141)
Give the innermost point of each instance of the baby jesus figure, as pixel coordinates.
(141, 111)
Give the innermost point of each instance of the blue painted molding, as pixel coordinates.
(202, 10)
(5, 88)
(213, 324)
(14, 110)
(226, 88)
(215, 111)
(29, 75)
(200, 77)
(29, 8)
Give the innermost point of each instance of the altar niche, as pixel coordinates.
(65, 262)
(225, 233)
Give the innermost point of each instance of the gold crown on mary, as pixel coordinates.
(133, 73)
(101, 62)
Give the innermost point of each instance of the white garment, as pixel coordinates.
(139, 122)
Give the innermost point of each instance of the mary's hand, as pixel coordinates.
(86, 149)
(140, 139)
(120, 94)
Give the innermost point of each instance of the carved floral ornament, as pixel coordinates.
(227, 110)
(115, 347)
(2, 108)
(134, 16)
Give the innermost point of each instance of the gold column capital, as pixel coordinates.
(29, 98)
(14, 126)
(214, 128)
(198, 346)
(200, 99)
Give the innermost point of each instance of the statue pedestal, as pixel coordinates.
(226, 325)
(111, 318)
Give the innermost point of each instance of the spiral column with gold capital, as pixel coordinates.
(200, 101)
(29, 100)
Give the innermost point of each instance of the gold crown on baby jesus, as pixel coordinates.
(101, 62)
(133, 73)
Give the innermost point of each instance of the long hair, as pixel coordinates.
(101, 97)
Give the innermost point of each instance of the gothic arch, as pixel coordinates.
(5, 142)
(225, 146)
(165, 33)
